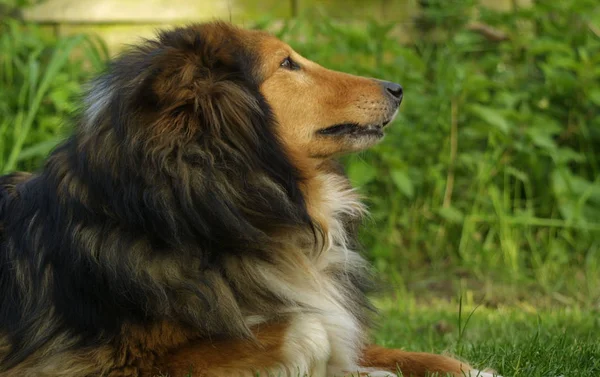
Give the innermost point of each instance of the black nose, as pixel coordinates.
(394, 89)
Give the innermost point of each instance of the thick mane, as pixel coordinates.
(174, 166)
(189, 118)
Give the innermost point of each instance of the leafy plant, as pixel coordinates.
(40, 78)
(492, 164)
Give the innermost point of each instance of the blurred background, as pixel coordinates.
(488, 183)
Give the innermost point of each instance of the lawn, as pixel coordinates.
(515, 340)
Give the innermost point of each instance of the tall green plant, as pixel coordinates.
(40, 78)
(492, 164)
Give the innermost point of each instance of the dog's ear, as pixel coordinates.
(229, 173)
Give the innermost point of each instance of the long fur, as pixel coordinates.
(170, 201)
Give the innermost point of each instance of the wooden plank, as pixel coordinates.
(126, 11)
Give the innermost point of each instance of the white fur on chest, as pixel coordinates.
(324, 338)
(330, 335)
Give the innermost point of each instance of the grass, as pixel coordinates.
(516, 340)
(41, 79)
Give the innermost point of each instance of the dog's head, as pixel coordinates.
(215, 117)
(211, 74)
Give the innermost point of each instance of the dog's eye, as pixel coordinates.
(288, 63)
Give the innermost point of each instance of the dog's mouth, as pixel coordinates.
(354, 129)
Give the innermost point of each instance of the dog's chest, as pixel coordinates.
(338, 204)
(324, 304)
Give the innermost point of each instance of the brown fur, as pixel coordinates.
(412, 363)
(224, 357)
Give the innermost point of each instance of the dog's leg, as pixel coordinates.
(298, 348)
(295, 348)
(417, 364)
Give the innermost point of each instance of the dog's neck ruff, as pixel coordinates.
(327, 330)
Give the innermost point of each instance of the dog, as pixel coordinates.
(197, 224)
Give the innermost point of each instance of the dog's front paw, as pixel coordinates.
(482, 373)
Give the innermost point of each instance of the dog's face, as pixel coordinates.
(322, 113)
